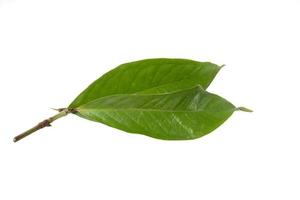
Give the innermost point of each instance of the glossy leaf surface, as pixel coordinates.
(150, 76)
(181, 115)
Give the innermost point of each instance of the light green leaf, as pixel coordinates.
(181, 115)
(150, 76)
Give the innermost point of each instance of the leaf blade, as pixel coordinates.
(182, 115)
(149, 76)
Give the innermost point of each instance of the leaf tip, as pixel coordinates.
(222, 66)
(244, 109)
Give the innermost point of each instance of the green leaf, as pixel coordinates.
(150, 76)
(181, 115)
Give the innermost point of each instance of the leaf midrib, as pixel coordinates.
(171, 82)
(138, 109)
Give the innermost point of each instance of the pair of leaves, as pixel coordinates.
(161, 98)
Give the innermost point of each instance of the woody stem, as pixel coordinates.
(43, 124)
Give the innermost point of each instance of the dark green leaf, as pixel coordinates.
(149, 76)
(181, 115)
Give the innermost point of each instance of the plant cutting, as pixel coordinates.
(161, 98)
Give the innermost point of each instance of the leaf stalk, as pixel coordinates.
(244, 109)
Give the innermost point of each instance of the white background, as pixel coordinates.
(51, 50)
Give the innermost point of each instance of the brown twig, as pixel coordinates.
(45, 123)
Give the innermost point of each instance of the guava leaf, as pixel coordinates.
(150, 76)
(182, 115)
